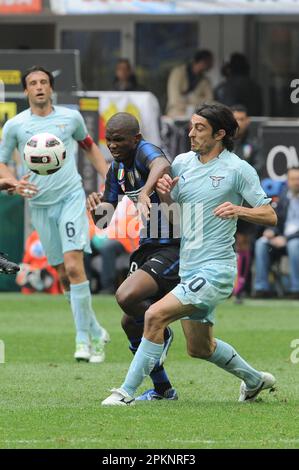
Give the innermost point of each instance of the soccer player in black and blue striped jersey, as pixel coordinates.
(136, 167)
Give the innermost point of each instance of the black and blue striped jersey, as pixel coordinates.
(122, 180)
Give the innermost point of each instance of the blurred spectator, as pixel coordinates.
(220, 91)
(281, 240)
(246, 147)
(35, 274)
(238, 87)
(119, 238)
(187, 86)
(125, 79)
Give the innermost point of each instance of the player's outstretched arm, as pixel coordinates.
(26, 189)
(5, 172)
(93, 200)
(262, 215)
(166, 184)
(169, 207)
(97, 159)
(101, 212)
(158, 167)
(23, 187)
(7, 183)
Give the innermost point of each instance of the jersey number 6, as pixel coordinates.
(70, 229)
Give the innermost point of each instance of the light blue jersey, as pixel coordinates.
(65, 123)
(207, 239)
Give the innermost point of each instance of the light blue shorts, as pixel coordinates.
(63, 226)
(205, 289)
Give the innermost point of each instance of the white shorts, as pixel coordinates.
(205, 289)
(63, 227)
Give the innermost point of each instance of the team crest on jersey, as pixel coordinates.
(61, 127)
(216, 180)
(131, 178)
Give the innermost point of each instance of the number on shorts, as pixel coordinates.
(70, 229)
(133, 267)
(197, 284)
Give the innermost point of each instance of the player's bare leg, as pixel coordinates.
(202, 344)
(150, 351)
(133, 294)
(130, 296)
(199, 338)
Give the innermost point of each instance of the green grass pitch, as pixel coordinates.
(49, 401)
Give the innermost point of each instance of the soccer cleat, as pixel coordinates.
(105, 336)
(268, 381)
(118, 397)
(82, 352)
(97, 352)
(8, 267)
(151, 394)
(167, 343)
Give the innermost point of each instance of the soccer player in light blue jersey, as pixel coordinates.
(57, 201)
(209, 183)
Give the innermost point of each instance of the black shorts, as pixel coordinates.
(161, 262)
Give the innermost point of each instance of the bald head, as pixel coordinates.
(122, 137)
(124, 121)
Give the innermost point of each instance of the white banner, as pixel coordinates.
(175, 7)
(143, 105)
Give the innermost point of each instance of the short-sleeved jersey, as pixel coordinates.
(122, 180)
(205, 238)
(65, 123)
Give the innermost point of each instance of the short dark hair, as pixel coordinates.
(124, 121)
(219, 117)
(239, 108)
(37, 68)
(203, 54)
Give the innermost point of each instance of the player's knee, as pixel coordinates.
(153, 319)
(125, 297)
(72, 271)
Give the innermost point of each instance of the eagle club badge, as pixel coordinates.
(121, 177)
(61, 127)
(216, 180)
